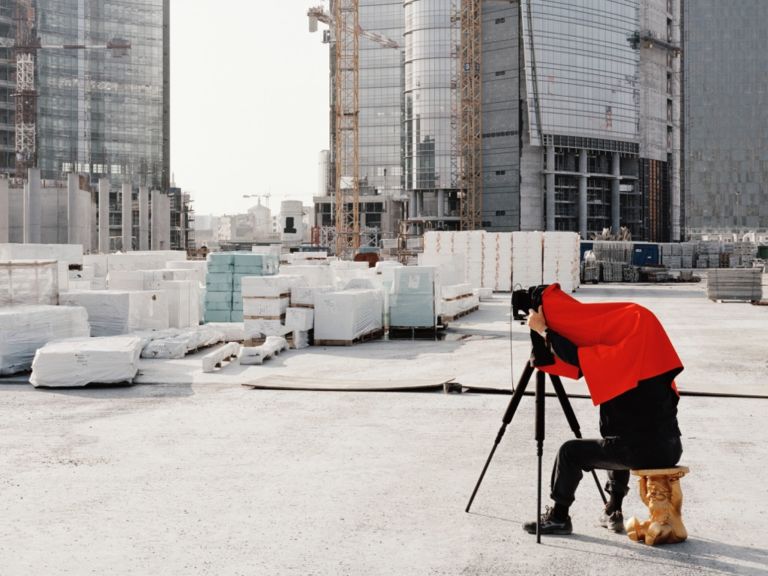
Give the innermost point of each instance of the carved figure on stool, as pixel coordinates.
(660, 491)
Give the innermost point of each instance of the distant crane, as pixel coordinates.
(25, 47)
(344, 25)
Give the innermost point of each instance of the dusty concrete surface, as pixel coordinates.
(211, 478)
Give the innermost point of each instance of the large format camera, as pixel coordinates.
(522, 301)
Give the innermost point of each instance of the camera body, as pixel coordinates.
(524, 300)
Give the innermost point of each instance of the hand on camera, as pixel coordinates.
(536, 321)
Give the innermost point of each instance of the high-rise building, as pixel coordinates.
(726, 117)
(100, 112)
(580, 113)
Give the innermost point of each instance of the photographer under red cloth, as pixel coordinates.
(629, 365)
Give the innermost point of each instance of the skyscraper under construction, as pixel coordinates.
(576, 116)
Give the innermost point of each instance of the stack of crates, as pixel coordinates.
(223, 297)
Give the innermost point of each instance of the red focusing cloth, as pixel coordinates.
(619, 343)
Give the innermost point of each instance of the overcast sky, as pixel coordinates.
(249, 102)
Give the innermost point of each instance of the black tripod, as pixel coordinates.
(510, 413)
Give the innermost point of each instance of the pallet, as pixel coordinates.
(296, 305)
(444, 319)
(413, 333)
(375, 335)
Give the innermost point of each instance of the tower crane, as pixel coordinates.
(25, 47)
(344, 24)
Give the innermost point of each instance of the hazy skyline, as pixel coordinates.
(249, 102)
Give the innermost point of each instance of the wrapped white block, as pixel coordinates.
(29, 282)
(98, 263)
(313, 275)
(264, 307)
(255, 355)
(484, 294)
(258, 327)
(213, 359)
(348, 315)
(63, 254)
(24, 329)
(199, 266)
(269, 286)
(80, 285)
(147, 279)
(300, 319)
(183, 302)
(78, 362)
(147, 260)
(305, 295)
(114, 312)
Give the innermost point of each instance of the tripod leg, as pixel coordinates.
(557, 384)
(508, 415)
(540, 395)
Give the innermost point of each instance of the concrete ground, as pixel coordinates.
(196, 474)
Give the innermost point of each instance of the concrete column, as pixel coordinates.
(550, 183)
(676, 233)
(127, 219)
(155, 219)
(143, 218)
(616, 194)
(441, 203)
(73, 214)
(5, 222)
(25, 231)
(420, 203)
(583, 194)
(35, 206)
(411, 204)
(103, 215)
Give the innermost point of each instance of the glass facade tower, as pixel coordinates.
(100, 113)
(726, 117)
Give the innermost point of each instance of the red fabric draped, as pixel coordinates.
(619, 343)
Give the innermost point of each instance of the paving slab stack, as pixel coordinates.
(226, 270)
(561, 260)
(742, 284)
(527, 254)
(265, 304)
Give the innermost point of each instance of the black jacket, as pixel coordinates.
(648, 411)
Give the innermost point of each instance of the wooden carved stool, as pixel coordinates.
(660, 491)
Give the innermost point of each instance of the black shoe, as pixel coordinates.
(549, 525)
(613, 521)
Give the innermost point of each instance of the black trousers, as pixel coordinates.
(616, 455)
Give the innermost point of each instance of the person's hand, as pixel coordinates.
(536, 321)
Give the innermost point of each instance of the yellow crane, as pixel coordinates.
(344, 23)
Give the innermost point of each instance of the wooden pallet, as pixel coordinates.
(374, 335)
(413, 333)
(444, 319)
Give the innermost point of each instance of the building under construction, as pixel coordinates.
(85, 89)
(507, 115)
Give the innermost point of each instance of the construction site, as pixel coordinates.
(317, 392)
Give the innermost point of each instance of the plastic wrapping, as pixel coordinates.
(456, 291)
(199, 266)
(183, 302)
(29, 282)
(175, 344)
(24, 329)
(561, 260)
(305, 295)
(147, 279)
(82, 361)
(232, 331)
(345, 316)
(115, 312)
(526, 259)
(412, 302)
